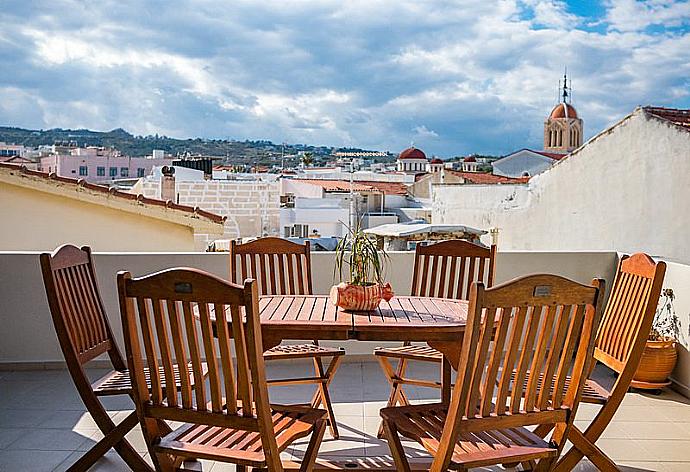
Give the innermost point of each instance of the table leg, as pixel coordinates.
(445, 381)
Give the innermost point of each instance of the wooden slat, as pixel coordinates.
(211, 358)
(151, 355)
(164, 348)
(195, 355)
(224, 339)
(176, 330)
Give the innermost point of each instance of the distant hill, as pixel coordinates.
(234, 152)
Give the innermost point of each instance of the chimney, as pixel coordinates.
(168, 184)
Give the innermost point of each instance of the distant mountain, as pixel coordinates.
(232, 151)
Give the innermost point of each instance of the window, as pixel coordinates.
(100, 171)
(83, 170)
(140, 172)
(296, 231)
(124, 171)
(113, 172)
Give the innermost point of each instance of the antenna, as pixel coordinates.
(565, 85)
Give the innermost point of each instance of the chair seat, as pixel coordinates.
(241, 446)
(424, 424)
(117, 382)
(592, 392)
(417, 353)
(301, 351)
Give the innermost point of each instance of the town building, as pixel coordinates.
(633, 203)
(563, 133)
(563, 127)
(525, 163)
(412, 161)
(328, 206)
(70, 210)
(250, 203)
(98, 164)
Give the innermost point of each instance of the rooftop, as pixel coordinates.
(676, 116)
(102, 195)
(388, 188)
(482, 178)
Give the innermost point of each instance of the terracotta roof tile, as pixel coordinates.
(676, 116)
(115, 193)
(388, 188)
(481, 178)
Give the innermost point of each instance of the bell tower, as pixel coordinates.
(563, 128)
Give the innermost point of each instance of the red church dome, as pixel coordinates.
(436, 160)
(469, 159)
(412, 153)
(563, 110)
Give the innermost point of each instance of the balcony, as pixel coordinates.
(43, 424)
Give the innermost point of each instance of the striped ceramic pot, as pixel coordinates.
(357, 297)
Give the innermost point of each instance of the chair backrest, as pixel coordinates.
(448, 268)
(281, 267)
(76, 307)
(629, 313)
(519, 342)
(173, 313)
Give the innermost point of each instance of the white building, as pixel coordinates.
(524, 163)
(637, 201)
(251, 207)
(412, 161)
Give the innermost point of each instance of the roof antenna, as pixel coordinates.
(565, 85)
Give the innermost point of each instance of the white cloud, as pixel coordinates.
(633, 15)
(455, 76)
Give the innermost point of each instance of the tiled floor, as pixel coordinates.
(43, 426)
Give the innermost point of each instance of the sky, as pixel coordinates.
(452, 77)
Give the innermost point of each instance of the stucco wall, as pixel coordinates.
(626, 190)
(35, 221)
(252, 208)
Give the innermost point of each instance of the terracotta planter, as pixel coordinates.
(358, 297)
(658, 360)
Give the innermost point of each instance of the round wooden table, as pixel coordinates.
(439, 322)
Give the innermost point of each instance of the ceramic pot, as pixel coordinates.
(360, 297)
(658, 360)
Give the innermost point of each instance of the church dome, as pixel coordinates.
(412, 153)
(563, 110)
(436, 160)
(469, 159)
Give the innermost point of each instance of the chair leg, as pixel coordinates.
(322, 396)
(309, 459)
(397, 394)
(114, 438)
(396, 447)
(582, 446)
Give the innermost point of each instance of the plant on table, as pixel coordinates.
(357, 255)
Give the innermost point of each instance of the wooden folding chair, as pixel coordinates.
(230, 419)
(532, 325)
(84, 333)
(620, 341)
(446, 269)
(282, 267)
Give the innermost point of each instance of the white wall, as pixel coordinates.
(516, 164)
(678, 279)
(27, 332)
(627, 189)
(252, 207)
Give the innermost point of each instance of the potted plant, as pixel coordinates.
(659, 355)
(364, 288)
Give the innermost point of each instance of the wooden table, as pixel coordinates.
(436, 321)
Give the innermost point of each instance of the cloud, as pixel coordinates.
(454, 76)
